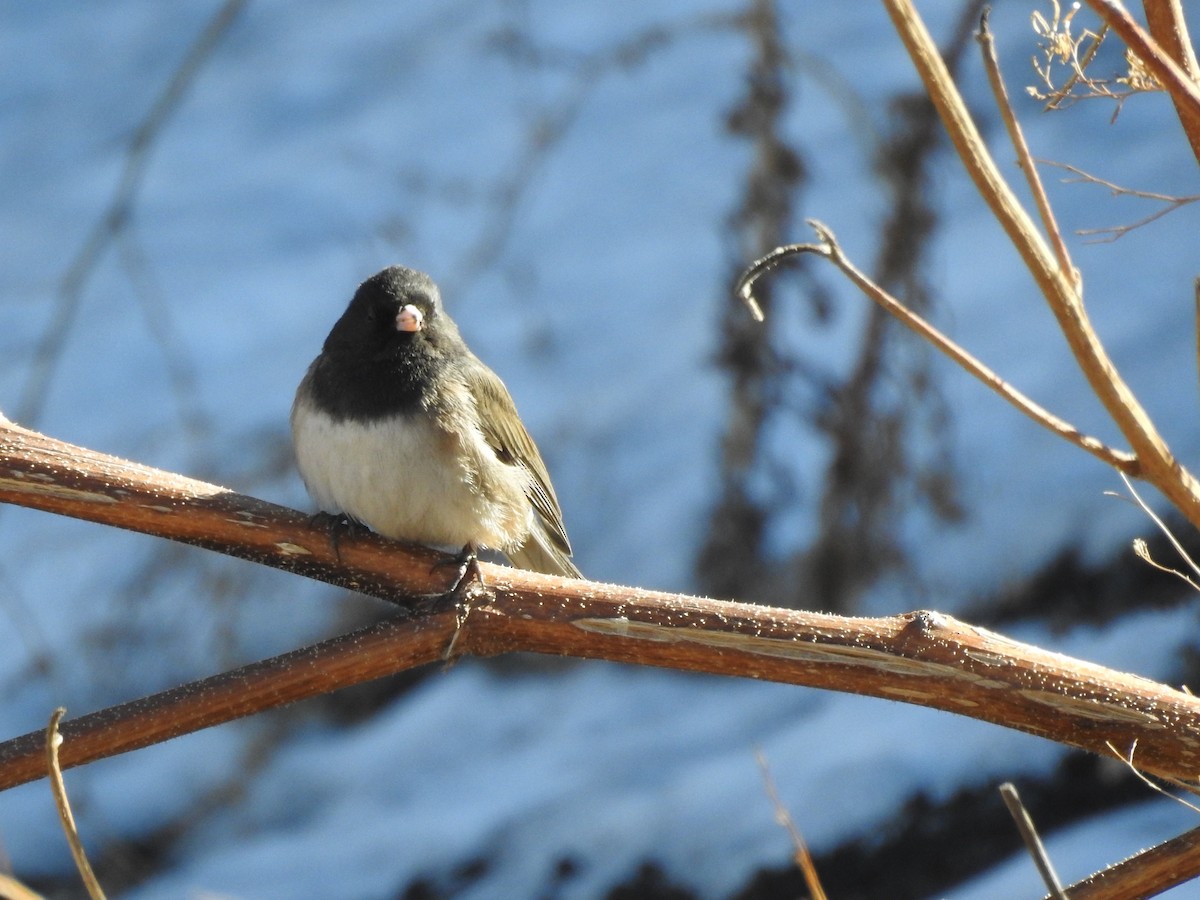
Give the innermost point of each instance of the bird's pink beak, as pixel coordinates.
(409, 318)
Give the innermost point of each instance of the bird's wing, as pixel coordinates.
(503, 430)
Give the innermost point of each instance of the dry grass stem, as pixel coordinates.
(66, 818)
(1032, 840)
(1162, 526)
(803, 858)
(1127, 758)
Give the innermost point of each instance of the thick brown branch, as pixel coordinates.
(43, 473)
(374, 652)
(923, 658)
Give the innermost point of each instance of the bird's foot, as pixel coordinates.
(467, 563)
(336, 526)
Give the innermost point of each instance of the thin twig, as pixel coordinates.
(830, 249)
(1115, 232)
(57, 785)
(1033, 842)
(1158, 788)
(1183, 554)
(802, 856)
(1142, 551)
(1024, 159)
(1064, 92)
(1116, 189)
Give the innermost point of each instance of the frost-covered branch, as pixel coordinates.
(921, 657)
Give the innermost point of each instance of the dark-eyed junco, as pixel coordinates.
(400, 427)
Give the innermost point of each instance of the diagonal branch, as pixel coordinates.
(1016, 136)
(831, 250)
(922, 657)
(1147, 874)
(1176, 71)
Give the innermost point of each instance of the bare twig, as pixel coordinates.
(831, 250)
(1024, 158)
(1142, 551)
(1127, 759)
(802, 857)
(1033, 842)
(66, 818)
(1171, 202)
(1115, 232)
(1178, 547)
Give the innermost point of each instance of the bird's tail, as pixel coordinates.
(539, 554)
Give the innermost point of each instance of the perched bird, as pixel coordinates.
(398, 426)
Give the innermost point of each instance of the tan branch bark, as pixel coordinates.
(1168, 26)
(1147, 874)
(1167, 52)
(921, 657)
(1158, 464)
(1016, 137)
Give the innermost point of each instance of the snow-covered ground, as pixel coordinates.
(573, 212)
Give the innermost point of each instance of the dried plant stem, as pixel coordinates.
(1032, 840)
(1024, 157)
(1156, 462)
(65, 816)
(1060, 95)
(1176, 71)
(1128, 757)
(831, 250)
(1162, 526)
(802, 856)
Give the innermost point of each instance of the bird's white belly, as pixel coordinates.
(407, 479)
